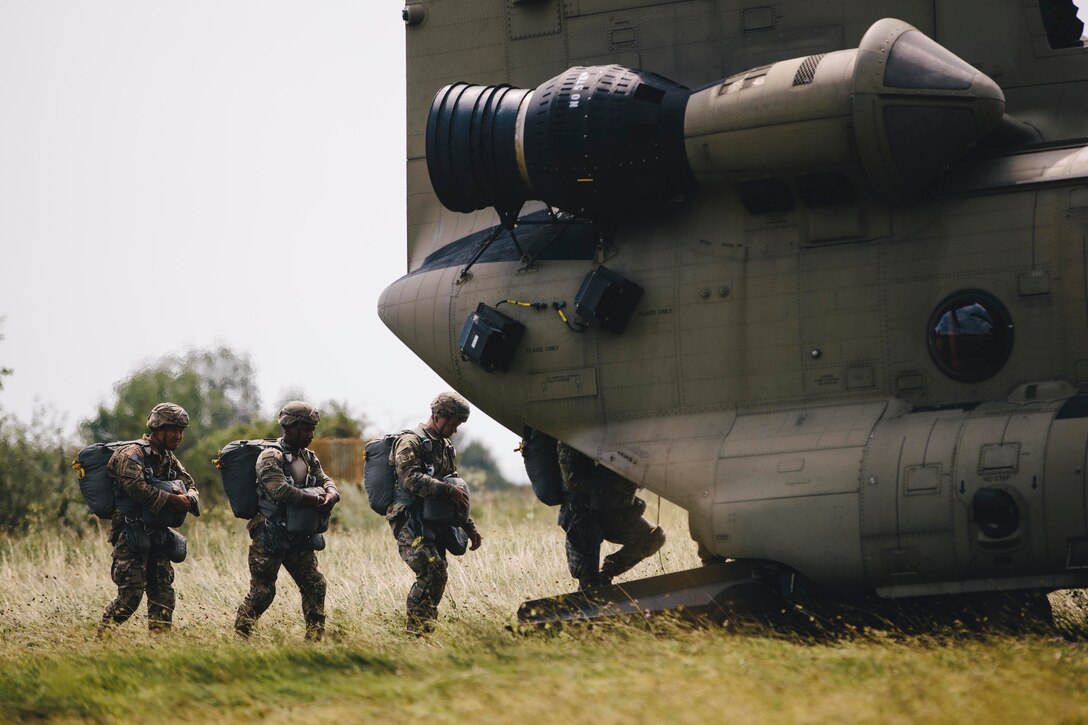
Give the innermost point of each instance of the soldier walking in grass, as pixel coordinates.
(295, 499)
(425, 461)
(153, 492)
(601, 505)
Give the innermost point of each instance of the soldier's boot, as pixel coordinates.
(159, 626)
(315, 628)
(708, 557)
(419, 626)
(111, 620)
(243, 624)
(593, 582)
(123, 606)
(420, 622)
(160, 620)
(161, 598)
(106, 625)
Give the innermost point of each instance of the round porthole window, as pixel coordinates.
(970, 336)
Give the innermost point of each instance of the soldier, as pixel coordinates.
(424, 458)
(602, 505)
(153, 490)
(295, 498)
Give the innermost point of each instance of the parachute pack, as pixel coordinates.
(237, 464)
(99, 488)
(542, 466)
(95, 482)
(443, 511)
(379, 471)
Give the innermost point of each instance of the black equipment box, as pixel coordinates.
(490, 339)
(608, 299)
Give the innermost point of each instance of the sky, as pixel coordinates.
(179, 175)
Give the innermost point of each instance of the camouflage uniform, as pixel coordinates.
(272, 546)
(136, 571)
(601, 505)
(420, 475)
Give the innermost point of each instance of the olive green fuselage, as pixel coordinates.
(803, 380)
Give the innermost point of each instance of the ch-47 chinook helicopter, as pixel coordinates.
(813, 271)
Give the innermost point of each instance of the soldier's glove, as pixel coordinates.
(475, 539)
(177, 503)
(311, 500)
(329, 500)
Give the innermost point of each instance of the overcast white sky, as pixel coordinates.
(182, 174)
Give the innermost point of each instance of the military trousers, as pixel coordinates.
(135, 572)
(587, 528)
(264, 567)
(428, 562)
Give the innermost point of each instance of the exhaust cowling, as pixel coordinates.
(594, 141)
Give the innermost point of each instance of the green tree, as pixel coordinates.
(338, 422)
(37, 485)
(216, 387)
(477, 466)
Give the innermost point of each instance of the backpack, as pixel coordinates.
(95, 482)
(542, 466)
(379, 471)
(237, 464)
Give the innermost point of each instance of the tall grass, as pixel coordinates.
(53, 588)
(56, 584)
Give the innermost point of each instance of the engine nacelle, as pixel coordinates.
(900, 105)
(600, 141)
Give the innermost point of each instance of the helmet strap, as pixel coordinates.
(158, 439)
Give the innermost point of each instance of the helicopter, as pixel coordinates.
(814, 272)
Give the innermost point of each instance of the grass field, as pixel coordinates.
(53, 588)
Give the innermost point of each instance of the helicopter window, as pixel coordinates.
(970, 336)
(1063, 28)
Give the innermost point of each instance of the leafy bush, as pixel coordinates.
(216, 387)
(477, 466)
(37, 484)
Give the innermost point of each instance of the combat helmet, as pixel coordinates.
(450, 404)
(167, 414)
(298, 411)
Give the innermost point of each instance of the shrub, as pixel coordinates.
(37, 484)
